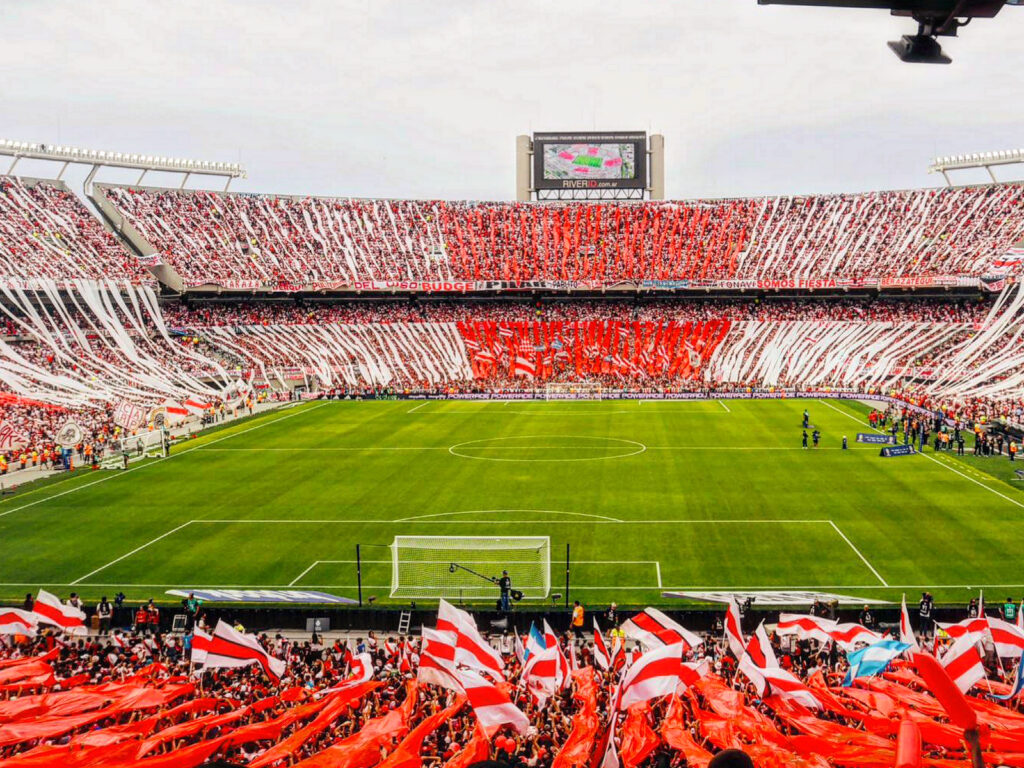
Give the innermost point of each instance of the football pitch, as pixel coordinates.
(651, 496)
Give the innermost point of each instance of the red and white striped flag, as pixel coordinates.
(437, 660)
(653, 629)
(805, 627)
(471, 649)
(1007, 638)
(524, 367)
(14, 621)
(757, 657)
(200, 646)
(847, 636)
(491, 705)
(517, 646)
(551, 641)
(975, 628)
(541, 674)
(601, 655)
(195, 406)
(230, 649)
(786, 686)
(906, 629)
(360, 668)
(658, 673)
(963, 663)
(733, 629)
(50, 610)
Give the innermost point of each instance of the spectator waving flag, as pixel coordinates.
(200, 646)
(471, 649)
(229, 648)
(733, 629)
(757, 657)
(653, 629)
(14, 621)
(50, 610)
(491, 704)
(962, 663)
(601, 655)
(657, 673)
(872, 660)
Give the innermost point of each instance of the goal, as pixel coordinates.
(460, 567)
(573, 390)
(143, 446)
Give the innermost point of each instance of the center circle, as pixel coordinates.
(536, 448)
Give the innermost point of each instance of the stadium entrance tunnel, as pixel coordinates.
(534, 448)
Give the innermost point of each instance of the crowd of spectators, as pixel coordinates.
(659, 345)
(196, 315)
(133, 694)
(47, 232)
(217, 237)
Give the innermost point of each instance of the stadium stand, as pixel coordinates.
(85, 335)
(243, 239)
(47, 232)
(133, 696)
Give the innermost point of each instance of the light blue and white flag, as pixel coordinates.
(873, 660)
(534, 642)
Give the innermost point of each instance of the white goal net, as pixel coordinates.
(461, 567)
(573, 390)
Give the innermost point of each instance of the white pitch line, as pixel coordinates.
(413, 410)
(858, 553)
(406, 521)
(314, 565)
(976, 482)
(724, 406)
(657, 568)
(129, 554)
(122, 473)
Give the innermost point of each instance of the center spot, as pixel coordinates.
(533, 448)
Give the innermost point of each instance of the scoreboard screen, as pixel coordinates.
(590, 160)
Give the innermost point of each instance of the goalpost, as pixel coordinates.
(460, 567)
(142, 446)
(573, 390)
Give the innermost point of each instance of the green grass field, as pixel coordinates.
(651, 496)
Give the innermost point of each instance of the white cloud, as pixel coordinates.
(414, 99)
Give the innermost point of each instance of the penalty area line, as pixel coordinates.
(416, 408)
(129, 554)
(859, 554)
(724, 406)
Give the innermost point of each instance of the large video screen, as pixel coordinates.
(590, 160)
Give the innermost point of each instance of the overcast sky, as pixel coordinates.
(424, 98)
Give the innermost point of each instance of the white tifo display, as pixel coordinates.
(460, 567)
(573, 390)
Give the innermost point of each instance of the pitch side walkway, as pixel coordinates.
(20, 477)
